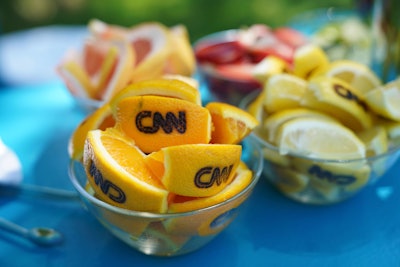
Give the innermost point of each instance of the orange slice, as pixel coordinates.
(117, 173)
(160, 87)
(213, 220)
(181, 60)
(196, 170)
(155, 122)
(230, 123)
(100, 119)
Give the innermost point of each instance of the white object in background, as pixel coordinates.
(10, 166)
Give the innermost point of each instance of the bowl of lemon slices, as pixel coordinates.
(162, 172)
(328, 128)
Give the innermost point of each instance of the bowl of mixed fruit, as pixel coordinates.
(227, 60)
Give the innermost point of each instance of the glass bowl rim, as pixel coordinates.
(250, 97)
(154, 215)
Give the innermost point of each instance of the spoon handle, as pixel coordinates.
(12, 227)
(40, 191)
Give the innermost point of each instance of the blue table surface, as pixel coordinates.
(36, 121)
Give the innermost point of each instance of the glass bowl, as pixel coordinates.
(222, 88)
(167, 234)
(320, 181)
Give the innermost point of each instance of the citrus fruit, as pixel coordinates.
(256, 107)
(151, 42)
(195, 170)
(338, 99)
(181, 59)
(101, 118)
(268, 67)
(384, 100)
(230, 123)
(309, 60)
(213, 220)
(159, 87)
(319, 138)
(187, 79)
(101, 68)
(289, 181)
(375, 140)
(283, 91)
(274, 121)
(116, 171)
(155, 122)
(356, 74)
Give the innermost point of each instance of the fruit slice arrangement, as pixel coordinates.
(153, 147)
(325, 112)
(235, 56)
(114, 56)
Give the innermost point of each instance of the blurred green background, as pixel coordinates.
(200, 16)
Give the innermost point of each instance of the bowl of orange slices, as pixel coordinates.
(227, 60)
(113, 56)
(162, 172)
(327, 129)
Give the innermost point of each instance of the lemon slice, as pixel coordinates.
(338, 99)
(375, 140)
(384, 100)
(274, 121)
(356, 74)
(230, 123)
(319, 138)
(289, 181)
(268, 67)
(309, 60)
(117, 173)
(283, 91)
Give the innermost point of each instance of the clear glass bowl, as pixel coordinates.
(222, 88)
(320, 181)
(168, 234)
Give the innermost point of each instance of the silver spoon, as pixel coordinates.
(38, 235)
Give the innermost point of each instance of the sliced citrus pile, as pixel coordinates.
(151, 147)
(114, 56)
(117, 173)
(231, 124)
(155, 122)
(329, 111)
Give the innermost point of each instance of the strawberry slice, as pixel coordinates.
(220, 53)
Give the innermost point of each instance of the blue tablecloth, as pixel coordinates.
(37, 120)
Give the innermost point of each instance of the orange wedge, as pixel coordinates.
(195, 170)
(181, 60)
(117, 173)
(160, 87)
(155, 122)
(100, 119)
(230, 123)
(214, 220)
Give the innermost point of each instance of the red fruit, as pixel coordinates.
(290, 36)
(242, 71)
(220, 53)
